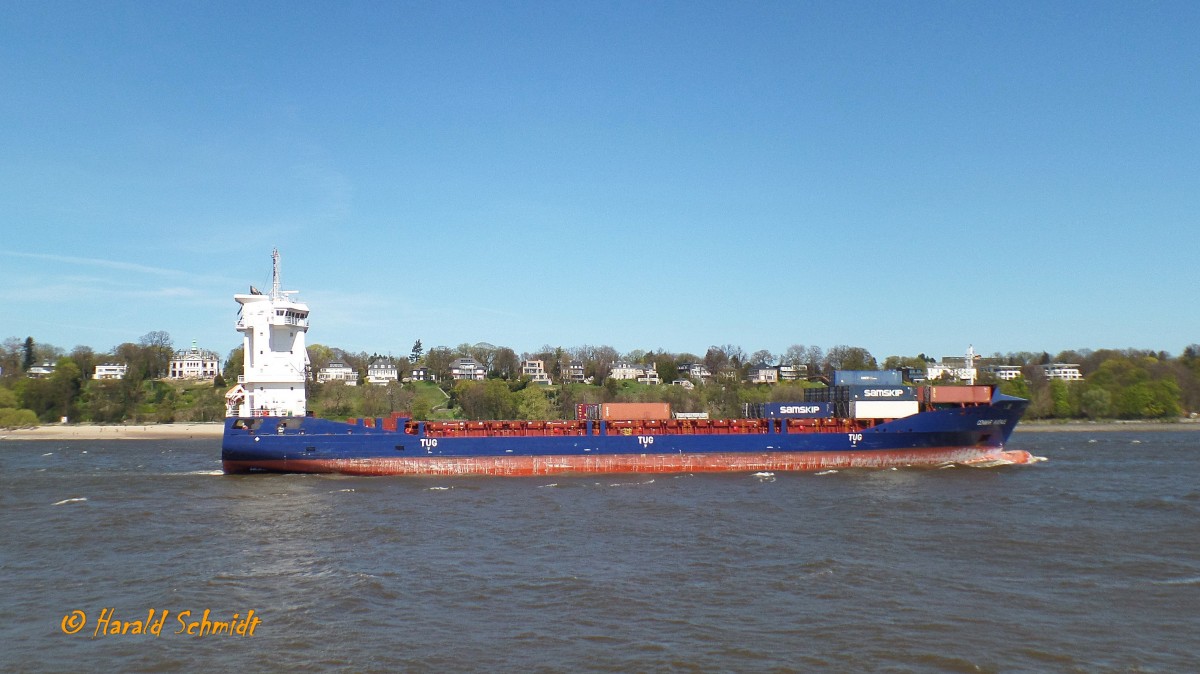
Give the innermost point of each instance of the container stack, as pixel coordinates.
(868, 394)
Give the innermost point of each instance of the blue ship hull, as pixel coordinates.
(966, 434)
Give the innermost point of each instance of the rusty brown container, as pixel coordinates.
(635, 411)
(960, 394)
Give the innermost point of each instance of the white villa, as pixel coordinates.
(467, 368)
(42, 369)
(792, 372)
(1062, 371)
(111, 371)
(643, 374)
(194, 363)
(338, 371)
(381, 371)
(697, 371)
(1004, 372)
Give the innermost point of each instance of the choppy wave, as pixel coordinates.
(631, 484)
(917, 570)
(1190, 580)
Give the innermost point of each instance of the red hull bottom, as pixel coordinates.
(722, 462)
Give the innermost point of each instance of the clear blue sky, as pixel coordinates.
(902, 176)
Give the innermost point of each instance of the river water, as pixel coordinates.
(1088, 562)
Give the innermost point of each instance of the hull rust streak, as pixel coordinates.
(639, 463)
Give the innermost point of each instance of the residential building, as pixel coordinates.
(1004, 372)
(793, 372)
(762, 374)
(338, 371)
(645, 374)
(576, 373)
(111, 371)
(194, 363)
(697, 371)
(622, 370)
(684, 384)
(1062, 371)
(422, 374)
(536, 371)
(382, 371)
(649, 375)
(40, 370)
(467, 368)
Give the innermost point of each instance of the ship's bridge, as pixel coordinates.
(296, 317)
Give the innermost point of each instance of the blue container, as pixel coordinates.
(867, 378)
(805, 410)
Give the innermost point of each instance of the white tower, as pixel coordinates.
(275, 357)
(969, 366)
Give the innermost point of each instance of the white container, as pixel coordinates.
(882, 409)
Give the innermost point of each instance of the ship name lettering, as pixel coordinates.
(645, 440)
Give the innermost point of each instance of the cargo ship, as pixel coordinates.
(861, 420)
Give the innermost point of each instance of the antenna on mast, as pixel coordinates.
(275, 292)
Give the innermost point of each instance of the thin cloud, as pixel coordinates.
(95, 262)
(118, 265)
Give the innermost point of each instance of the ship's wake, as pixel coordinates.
(1008, 457)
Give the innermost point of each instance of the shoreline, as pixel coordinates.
(1180, 425)
(115, 432)
(215, 429)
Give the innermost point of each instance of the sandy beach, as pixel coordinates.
(114, 432)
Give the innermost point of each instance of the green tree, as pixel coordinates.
(1096, 403)
(417, 352)
(844, 357)
(17, 418)
(1060, 397)
(438, 361)
(471, 397)
(29, 355)
(85, 359)
(532, 403)
(234, 364)
(505, 363)
(158, 352)
(336, 400)
(421, 408)
(107, 402)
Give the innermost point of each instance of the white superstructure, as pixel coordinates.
(275, 358)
